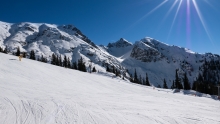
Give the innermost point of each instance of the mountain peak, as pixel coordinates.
(120, 43)
(122, 39)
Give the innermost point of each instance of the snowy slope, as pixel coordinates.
(32, 92)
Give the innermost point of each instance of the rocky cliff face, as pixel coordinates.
(143, 52)
(160, 61)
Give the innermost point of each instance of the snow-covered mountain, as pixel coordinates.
(46, 39)
(33, 92)
(119, 48)
(157, 59)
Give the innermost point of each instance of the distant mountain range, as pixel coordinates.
(157, 59)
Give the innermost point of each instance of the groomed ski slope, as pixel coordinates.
(32, 92)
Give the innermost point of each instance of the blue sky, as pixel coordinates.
(195, 23)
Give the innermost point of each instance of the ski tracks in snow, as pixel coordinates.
(64, 96)
(97, 109)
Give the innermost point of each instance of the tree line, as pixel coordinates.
(206, 82)
(114, 70)
(55, 60)
(208, 78)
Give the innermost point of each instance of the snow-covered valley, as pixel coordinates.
(32, 92)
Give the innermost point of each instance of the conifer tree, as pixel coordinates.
(1, 49)
(24, 54)
(5, 50)
(43, 59)
(93, 69)
(32, 55)
(173, 86)
(34, 58)
(80, 61)
(81, 65)
(186, 82)
(113, 69)
(60, 61)
(165, 84)
(84, 67)
(18, 51)
(177, 81)
(200, 78)
(123, 75)
(147, 80)
(107, 69)
(194, 86)
(65, 61)
(131, 78)
(119, 73)
(53, 59)
(116, 72)
(57, 61)
(135, 77)
(68, 63)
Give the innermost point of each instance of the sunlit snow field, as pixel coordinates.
(32, 92)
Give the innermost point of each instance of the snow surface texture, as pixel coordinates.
(32, 92)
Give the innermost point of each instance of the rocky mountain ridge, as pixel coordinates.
(160, 61)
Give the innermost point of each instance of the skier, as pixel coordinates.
(21, 56)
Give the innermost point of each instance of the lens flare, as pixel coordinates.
(165, 17)
(202, 20)
(170, 10)
(188, 31)
(210, 5)
(174, 18)
(153, 10)
(157, 7)
(180, 5)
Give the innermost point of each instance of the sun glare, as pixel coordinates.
(179, 4)
(174, 19)
(143, 17)
(202, 20)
